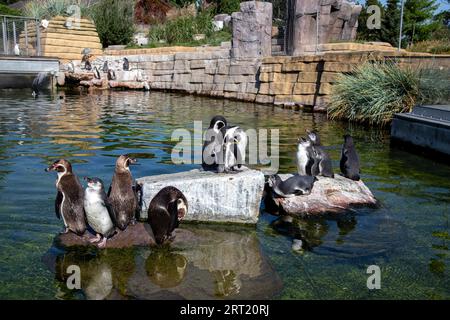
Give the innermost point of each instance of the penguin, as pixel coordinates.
(293, 186)
(111, 74)
(99, 213)
(165, 212)
(126, 64)
(304, 157)
(71, 67)
(69, 203)
(105, 67)
(213, 143)
(349, 163)
(234, 144)
(96, 73)
(16, 50)
(121, 194)
(322, 162)
(87, 65)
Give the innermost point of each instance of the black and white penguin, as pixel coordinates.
(322, 162)
(126, 64)
(304, 157)
(232, 156)
(105, 67)
(99, 212)
(69, 203)
(96, 73)
(349, 163)
(121, 194)
(111, 74)
(293, 186)
(165, 212)
(213, 143)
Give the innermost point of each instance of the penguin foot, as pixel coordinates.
(96, 239)
(102, 243)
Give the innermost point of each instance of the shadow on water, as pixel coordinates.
(210, 262)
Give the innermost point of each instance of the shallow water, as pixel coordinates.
(407, 237)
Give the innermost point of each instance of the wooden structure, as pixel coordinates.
(63, 42)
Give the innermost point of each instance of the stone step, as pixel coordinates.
(278, 53)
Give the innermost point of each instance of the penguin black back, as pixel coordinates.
(349, 163)
(165, 212)
(213, 143)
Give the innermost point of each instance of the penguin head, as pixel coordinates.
(348, 139)
(181, 209)
(304, 142)
(217, 123)
(94, 183)
(124, 161)
(60, 166)
(313, 137)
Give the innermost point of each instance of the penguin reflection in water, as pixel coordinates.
(224, 147)
(122, 195)
(165, 212)
(69, 203)
(99, 212)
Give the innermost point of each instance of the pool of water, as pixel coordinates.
(407, 236)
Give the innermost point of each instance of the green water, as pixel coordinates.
(407, 236)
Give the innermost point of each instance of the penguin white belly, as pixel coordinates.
(97, 214)
(302, 161)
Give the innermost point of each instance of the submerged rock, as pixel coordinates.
(138, 235)
(212, 197)
(328, 196)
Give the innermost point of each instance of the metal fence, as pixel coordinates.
(20, 36)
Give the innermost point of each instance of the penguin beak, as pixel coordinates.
(87, 179)
(51, 168)
(132, 161)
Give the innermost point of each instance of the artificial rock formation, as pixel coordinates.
(328, 196)
(252, 30)
(321, 21)
(211, 197)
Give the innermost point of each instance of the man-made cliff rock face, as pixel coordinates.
(211, 197)
(322, 21)
(328, 196)
(252, 30)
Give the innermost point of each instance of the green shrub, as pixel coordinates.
(182, 29)
(374, 92)
(432, 46)
(114, 21)
(9, 11)
(51, 8)
(227, 6)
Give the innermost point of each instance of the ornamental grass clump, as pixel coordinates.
(374, 92)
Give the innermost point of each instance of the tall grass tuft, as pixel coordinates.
(51, 8)
(374, 92)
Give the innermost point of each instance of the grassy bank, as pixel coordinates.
(374, 92)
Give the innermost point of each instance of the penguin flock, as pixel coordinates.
(312, 160)
(105, 214)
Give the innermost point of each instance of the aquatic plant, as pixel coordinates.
(374, 92)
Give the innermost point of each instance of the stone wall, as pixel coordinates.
(294, 82)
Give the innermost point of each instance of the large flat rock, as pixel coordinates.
(212, 197)
(328, 196)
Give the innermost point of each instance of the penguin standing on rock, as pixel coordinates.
(121, 194)
(96, 73)
(213, 143)
(304, 158)
(349, 164)
(322, 162)
(99, 213)
(69, 203)
(105, 67)
(165, 212)
(126, 64)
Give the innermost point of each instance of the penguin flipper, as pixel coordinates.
(110, 209)
(58, 202)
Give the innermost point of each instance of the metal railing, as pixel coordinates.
(20, 36)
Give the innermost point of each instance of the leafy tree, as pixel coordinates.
(365, 33)
(390, 23)
(4, 9)
(418, 24)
